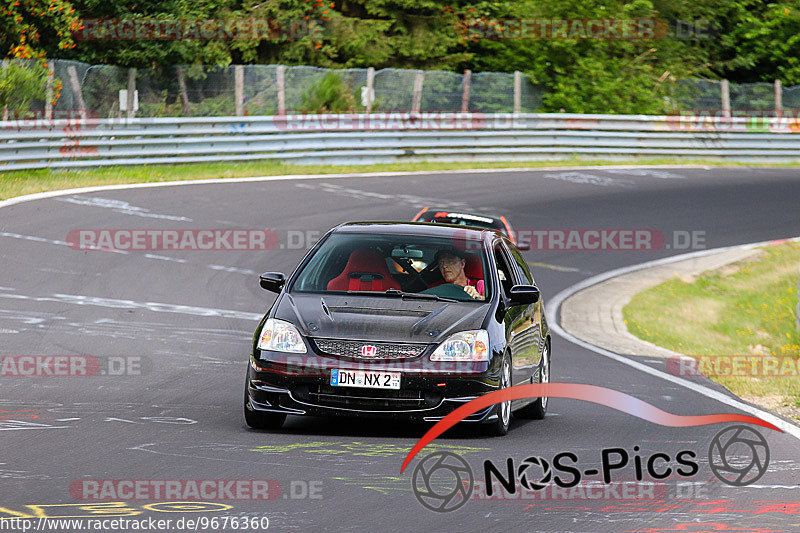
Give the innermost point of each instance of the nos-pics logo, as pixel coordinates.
(443, 481)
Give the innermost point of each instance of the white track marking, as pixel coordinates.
(553, 267)
(409, 199)
(288, 177)
(58, 243)
(555, 305)
(245, 271)
(130, 304)
(8, 424)
(792, 487)
(588, 179)
(120, 207)
(650, 173)
(164, 258)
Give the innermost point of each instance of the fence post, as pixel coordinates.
(184, 93)
(281, 82)
(797, 311)
(131, 92)
(416, 102)
(517, 91)
(48, 92)
(238, 90)
(76, 90)
(465, 95)
(778, 99)
(370, 88)
(726, 98)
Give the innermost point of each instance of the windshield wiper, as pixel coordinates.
(410, 295)
(418, 296)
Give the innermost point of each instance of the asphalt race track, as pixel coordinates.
(183, 323)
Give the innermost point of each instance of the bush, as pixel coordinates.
(328, 95)
(20, 85)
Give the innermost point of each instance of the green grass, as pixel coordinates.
(17, 183)
(748, 308)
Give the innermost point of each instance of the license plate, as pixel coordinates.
(371, 380)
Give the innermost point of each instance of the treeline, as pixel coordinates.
(589, 56)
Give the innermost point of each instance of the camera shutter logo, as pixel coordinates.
(525, 469)
(442, 482)
(738, 455)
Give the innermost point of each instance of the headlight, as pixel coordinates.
(464, 346)
(281, 336)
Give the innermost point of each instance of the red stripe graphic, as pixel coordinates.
(576, 391)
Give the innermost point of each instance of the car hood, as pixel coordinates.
(379, 318)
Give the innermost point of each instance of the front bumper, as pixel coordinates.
(300, 385)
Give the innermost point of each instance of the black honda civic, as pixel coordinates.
(400, 320)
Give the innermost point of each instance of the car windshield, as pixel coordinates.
(397, 266)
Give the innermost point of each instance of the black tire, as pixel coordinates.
(499, 426)
(538, 409)
(259, 420)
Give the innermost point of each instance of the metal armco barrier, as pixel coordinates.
(392, 137)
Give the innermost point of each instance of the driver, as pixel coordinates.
(451, 265)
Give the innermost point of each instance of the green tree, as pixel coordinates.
(764, 45)
(21, 84)
(103, 44)
(35, 28)
(596, 75)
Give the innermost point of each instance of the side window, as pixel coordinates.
(525, 275)
(503, 270)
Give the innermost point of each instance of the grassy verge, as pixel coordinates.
(17, 183)
(745, 309)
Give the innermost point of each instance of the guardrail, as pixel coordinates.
(392, 137)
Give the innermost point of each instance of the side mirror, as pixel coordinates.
(523, 245)
(272, 281)
(524, 294)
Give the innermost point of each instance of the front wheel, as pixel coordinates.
(538, 409)
(499, 426)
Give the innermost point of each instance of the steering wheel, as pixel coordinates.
(447, 290)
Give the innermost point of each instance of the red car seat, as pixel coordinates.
(365, 271)
(473, 267)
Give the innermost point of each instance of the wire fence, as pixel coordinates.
(197, 91)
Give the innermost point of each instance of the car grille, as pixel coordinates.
(367, 399)
(382, 350)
